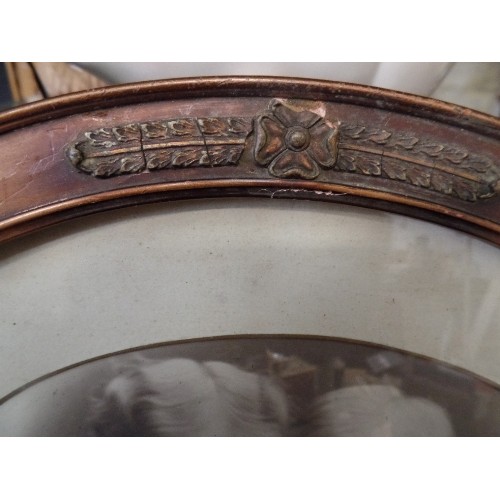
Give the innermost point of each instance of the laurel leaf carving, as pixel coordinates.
(380, 137)
(406, 142)
(347, 162)
(127, 133)
(180, 157)
(211, 126)
(132, 164)
(431, 149)
(184, 127)
(481, 165)
(158, 159)
(218, 141)
(394, 170)
(442, 183)
(239, 126)
(101, 138)
(353, 131)
(438, 160)
(464, 190)
(419, 177)
(225, 127)
(360, 163)
(106, 168)
(369, 166)
(188, 156)
(455, 155)
(155, 130)
(225, 155)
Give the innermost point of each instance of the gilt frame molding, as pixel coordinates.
(249, 136)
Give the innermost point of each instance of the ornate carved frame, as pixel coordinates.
(260, 137)
(241, 136)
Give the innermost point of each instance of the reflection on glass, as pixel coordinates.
(257, 386)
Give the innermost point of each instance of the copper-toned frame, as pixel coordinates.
(248, 136)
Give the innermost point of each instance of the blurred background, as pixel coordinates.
(474, 85)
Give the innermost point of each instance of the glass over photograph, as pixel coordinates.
(256, 386)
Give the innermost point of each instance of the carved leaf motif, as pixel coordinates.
(394, 170)
(132, 164)
(442, 183)
(136, 147)
(127, 133)
(485, 191)
(418, 177)
(101, 138)
(441, 152)
(106, 168)
(364, 134)
(189, 156)
(225, 155)
(183, 157)
(405, 142)
(352, 131)
(184, 127)
(114, 165)
(465, 190)
(455, 155)
(219, 141)
(239, 125)
(347, 162)
(225, 126)
(368, 166)
(360, 163)
(158, 159)
(480, 165)
(380, 136)
(155, 130)
(437, 172)
(431, 149)
(211, 126)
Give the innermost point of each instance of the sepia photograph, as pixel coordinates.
(256, 386)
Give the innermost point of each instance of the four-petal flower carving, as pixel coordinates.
(294, 142)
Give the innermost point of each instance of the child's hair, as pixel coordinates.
(182, 397)
(376, 410)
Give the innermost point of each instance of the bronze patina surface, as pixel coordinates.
(248, 136)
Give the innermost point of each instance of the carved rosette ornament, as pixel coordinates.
(293, 142)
